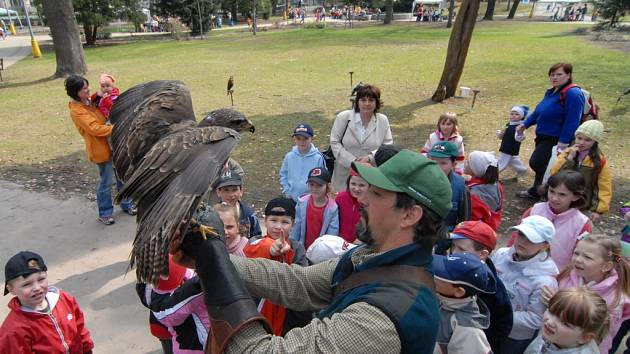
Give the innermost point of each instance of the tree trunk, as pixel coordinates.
(489, 10)
(90, 34)
(451, 9)
(389, 12)
(458, 44)
(513, 9)
(508, 6)
(66, 38)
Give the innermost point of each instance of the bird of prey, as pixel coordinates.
(230, 89)
(167, 161)
(356, 88)
(623, 94)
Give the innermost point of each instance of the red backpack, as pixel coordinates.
(591, 109)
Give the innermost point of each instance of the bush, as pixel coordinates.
(315, 25)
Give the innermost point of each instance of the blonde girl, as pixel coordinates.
(447, 130)
(525, 268)
(234, 240)
(316, 213)
(575, 322)
(585, 157)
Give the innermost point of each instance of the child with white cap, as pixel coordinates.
(585, 157)
(327, 247)
(486, 192)
(511, 142)
(525, 268)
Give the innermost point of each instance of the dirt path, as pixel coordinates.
(85, 258)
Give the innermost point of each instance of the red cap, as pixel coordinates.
(477, 231)
(175, 278)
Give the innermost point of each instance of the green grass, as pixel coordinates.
(284, 77)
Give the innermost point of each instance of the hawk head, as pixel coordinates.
(229, 118)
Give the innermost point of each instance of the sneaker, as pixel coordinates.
(525, 195)
(131, 211)
(107, 220)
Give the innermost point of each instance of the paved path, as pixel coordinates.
(84, 257)
(15, 48)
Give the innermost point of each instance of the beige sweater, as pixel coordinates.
(378, 132)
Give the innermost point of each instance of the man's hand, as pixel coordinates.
(520, 129)
(560, 147)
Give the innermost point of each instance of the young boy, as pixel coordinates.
(43, 319)
(229, 188)
(479, 238)
(276, 245)
(458, 279)
(303, 157)
(511, 142)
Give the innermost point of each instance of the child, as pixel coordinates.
(445, 154)
(229, 188)
(458, 279)
(577, 319)
(317, 214)
(597, 263)
(447, 130)
(279, 217)
(104, 98)
(302, 158)
(511, 142)
(43, 319)
(349, 206)
(486, 192)
(624, 211)
(525, 268)
(478, 238)
(327, 247)
(234, 241)
(585, 157)
(565, 195)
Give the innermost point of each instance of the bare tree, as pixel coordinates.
(513, 9)
(389, 12)
(66, 38)
(458, 44)
(451, 12)
(489, 10)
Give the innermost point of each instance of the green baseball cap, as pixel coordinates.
(413, 174)
(444, 149)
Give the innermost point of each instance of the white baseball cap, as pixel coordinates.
(536, 228)
(327, 247)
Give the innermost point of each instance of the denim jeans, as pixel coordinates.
(104, 190)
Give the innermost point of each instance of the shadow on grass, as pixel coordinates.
(620, 109)
(26, 83)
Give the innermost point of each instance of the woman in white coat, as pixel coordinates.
(357, 132)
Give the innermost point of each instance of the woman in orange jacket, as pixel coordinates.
(92, 126)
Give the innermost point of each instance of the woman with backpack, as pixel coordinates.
(556, 117)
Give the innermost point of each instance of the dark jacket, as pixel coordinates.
(249, 219)
(501, 314)
(509, 145)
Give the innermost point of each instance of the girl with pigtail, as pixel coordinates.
(597, 263)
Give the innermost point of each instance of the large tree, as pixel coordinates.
(189, 11)
(66, 38)
(458, 44)
(389, 12)
(93, 14)
(489, 10)
(612, 10)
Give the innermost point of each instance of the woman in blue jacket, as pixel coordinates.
(556, 117)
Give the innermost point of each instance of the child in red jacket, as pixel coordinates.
(43, 319)
(104, 98)
(486, 192)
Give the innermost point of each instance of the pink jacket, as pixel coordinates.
(569, 225)
(607, 289)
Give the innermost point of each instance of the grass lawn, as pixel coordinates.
(285, 77)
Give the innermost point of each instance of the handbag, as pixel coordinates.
(329, 157)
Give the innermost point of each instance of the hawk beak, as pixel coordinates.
(252, 128)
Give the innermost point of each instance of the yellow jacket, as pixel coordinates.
(597, 196)
(90, 123)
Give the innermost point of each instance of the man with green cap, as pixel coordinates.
(377, 298)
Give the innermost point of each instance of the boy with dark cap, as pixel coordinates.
(458, 279)
(303, 157)
(43, 319)
(229, 188)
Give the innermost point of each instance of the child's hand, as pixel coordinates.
(572, 153)
(596, 217)
(520, 129)
(546, 293)
(364, 159)
(280, 246)
(500, 134)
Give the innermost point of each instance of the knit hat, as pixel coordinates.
(327, 247)
(521, 110)
(415, 175)
(477, 231)
(106, 77)
(480, 160)
(593, 129)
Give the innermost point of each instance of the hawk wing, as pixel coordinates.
(144, 114)
(167, 187)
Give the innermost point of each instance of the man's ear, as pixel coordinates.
(412, 216)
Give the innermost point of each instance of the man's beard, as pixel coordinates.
(363, 231)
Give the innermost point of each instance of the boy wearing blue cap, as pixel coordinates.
(511, 142)
(302, 158)
(459, 277)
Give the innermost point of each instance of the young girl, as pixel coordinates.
(447, 130)
(317, 214)
(565, 195)
(576, 320)
(597, 263)
(486, 192)
(349, 207)
(525, 268)
(104, 98)
(234, 241)
(585, 157)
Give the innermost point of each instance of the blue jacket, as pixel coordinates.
(249, 219)
(413, 310)
(501, 314)
(460, 210)
(295, 169)
(330, 225)
(556, 119)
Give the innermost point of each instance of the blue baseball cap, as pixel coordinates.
(303, 129)
(466, 270)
